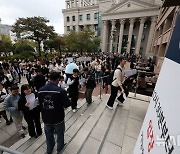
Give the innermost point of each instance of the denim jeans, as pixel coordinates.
(50, 129)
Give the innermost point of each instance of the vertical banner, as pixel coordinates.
(160, 132)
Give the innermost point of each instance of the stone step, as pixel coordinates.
(97, 137)
(25, 143)
(75, 122)
(79, 136)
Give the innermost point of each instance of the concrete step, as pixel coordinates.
(24, 144)
(94, 129)
(80, 136)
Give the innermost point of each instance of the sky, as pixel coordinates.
(10, 10)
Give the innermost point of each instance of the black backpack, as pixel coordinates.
(110, 77)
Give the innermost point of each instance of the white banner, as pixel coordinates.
(160, 133)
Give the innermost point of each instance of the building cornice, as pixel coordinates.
(92, 7)
(133, 13)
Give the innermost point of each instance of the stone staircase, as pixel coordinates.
(94, 129)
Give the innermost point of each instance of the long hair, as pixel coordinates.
(24, 87)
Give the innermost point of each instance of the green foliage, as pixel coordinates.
(34, 28)
(5, 44)
(24, 46)
(81, 41)
(56, 43)
(23, 49)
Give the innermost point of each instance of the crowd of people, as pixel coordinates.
(49, 90)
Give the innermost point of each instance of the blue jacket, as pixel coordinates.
(52, 101)
(11, 105)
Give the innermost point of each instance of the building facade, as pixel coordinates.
(123, 25)
(164, 28)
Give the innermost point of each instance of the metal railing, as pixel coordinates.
(8, 150)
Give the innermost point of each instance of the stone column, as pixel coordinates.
(105, 34)
(141, 28)
(113, 29)
(151, 34)
(130, 34)
(122, 22)
(67, 4)
(92, 28)
(75, 3)
(77, 28)
(70, 3)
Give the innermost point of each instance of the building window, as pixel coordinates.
(68, 19)
(68, 28)
(80, 17)
(73, 18)
(88, 16)
(96, 15)
(74, 28)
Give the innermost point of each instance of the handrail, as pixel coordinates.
(8, 150)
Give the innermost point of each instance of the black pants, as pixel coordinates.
(88, 95)
(74, 99)
(33, 120)
(114, 91)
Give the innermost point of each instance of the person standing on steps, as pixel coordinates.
(30, 110)
(3, 95)
(73, 83)
(117, 83)
(11, 106)
(90, 84)
(52, 101)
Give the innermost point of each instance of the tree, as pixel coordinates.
(33, 28)
(55, 43)
(82, 41)
(23, 46)
(5, 45)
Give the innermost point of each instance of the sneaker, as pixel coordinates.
(8, 123)
(74, 110)
(77, 107)
(109, 107)
(22, 135)
(11, 120)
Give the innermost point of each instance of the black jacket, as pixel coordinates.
(52, 100)
(21, 106)
(39, 81)
(90, 83)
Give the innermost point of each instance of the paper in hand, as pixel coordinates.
(31, 99)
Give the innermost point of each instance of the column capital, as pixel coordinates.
(105, 22)
(154, 19)
(113, 22)
(142, 20)
(132, 20)
(122, 21)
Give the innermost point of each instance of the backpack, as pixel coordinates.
(110, 77)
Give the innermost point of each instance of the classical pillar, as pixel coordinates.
(122, 22)
(113, 29)
(70, 3)
(141, 28)
(105, 35)
(80, 1)
(77, 28)
(75, 3)
(67, 4)
(130, 34)
(92, 28)
(151, 33)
